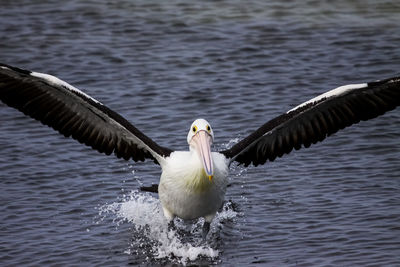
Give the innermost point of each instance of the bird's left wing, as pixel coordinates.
(316, 119)
(73, 113)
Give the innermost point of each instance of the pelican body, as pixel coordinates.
(186, 191)
(193, 182)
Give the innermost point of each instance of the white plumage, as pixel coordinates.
(186, 191)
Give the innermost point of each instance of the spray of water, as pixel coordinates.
(152, 235)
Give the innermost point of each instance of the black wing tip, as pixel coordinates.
(395, 79)
(152, 189)
(19, 70)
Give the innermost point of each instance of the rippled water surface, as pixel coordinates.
(161, 64)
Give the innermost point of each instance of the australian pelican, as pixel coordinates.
(193, 182)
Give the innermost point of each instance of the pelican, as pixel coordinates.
(193, 182)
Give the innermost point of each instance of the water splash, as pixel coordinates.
(152, 236)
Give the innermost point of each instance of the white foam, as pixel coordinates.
(56, 81)
(334, 92)
(231, 142)
(144, 212)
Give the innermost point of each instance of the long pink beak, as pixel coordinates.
(203, 142)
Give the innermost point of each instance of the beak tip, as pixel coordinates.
(210, 177)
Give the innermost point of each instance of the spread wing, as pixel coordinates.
(314, 120)
(73, 113)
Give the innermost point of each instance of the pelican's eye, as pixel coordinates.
(208, 128)
(194, 129)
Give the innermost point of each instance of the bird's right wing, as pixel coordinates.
(73, 113)
(314, 120)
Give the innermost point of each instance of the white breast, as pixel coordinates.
(185, 190)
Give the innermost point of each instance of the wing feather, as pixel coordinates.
(314, 120)
(75, 114)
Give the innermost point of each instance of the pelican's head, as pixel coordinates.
(200, 138)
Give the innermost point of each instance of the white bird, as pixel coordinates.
(192, 183)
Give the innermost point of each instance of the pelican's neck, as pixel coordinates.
(196, 178)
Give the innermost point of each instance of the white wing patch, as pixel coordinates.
(335, 92)
(57, 82)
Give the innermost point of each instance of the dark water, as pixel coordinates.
(161, 64)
